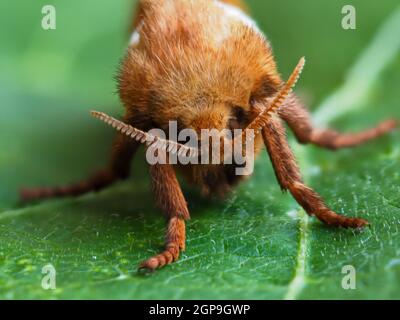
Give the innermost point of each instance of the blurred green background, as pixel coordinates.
(258, 243)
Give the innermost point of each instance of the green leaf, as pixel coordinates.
(255, 244)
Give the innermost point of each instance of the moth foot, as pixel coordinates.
(168, 256)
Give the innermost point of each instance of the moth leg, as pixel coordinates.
(289, 177)
(298, 119)
(170, 200)
(119, 168)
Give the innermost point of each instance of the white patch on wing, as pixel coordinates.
(135, 38)
(238, 14)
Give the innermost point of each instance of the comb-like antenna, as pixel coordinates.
(146, 138)
(262, 119)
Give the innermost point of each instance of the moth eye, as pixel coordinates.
(238, 118)
(233, 123)
(240, 114)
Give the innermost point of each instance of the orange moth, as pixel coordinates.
(205, 64)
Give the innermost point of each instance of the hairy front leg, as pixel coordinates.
(289, 177)
(170, 199)
(119, 168)
(298, 119)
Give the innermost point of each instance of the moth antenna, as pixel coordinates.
(156, 144)
(262, 119)
(141, 136)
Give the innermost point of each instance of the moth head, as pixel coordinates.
(209, 117)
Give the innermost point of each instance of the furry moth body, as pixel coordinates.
(206, 65)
